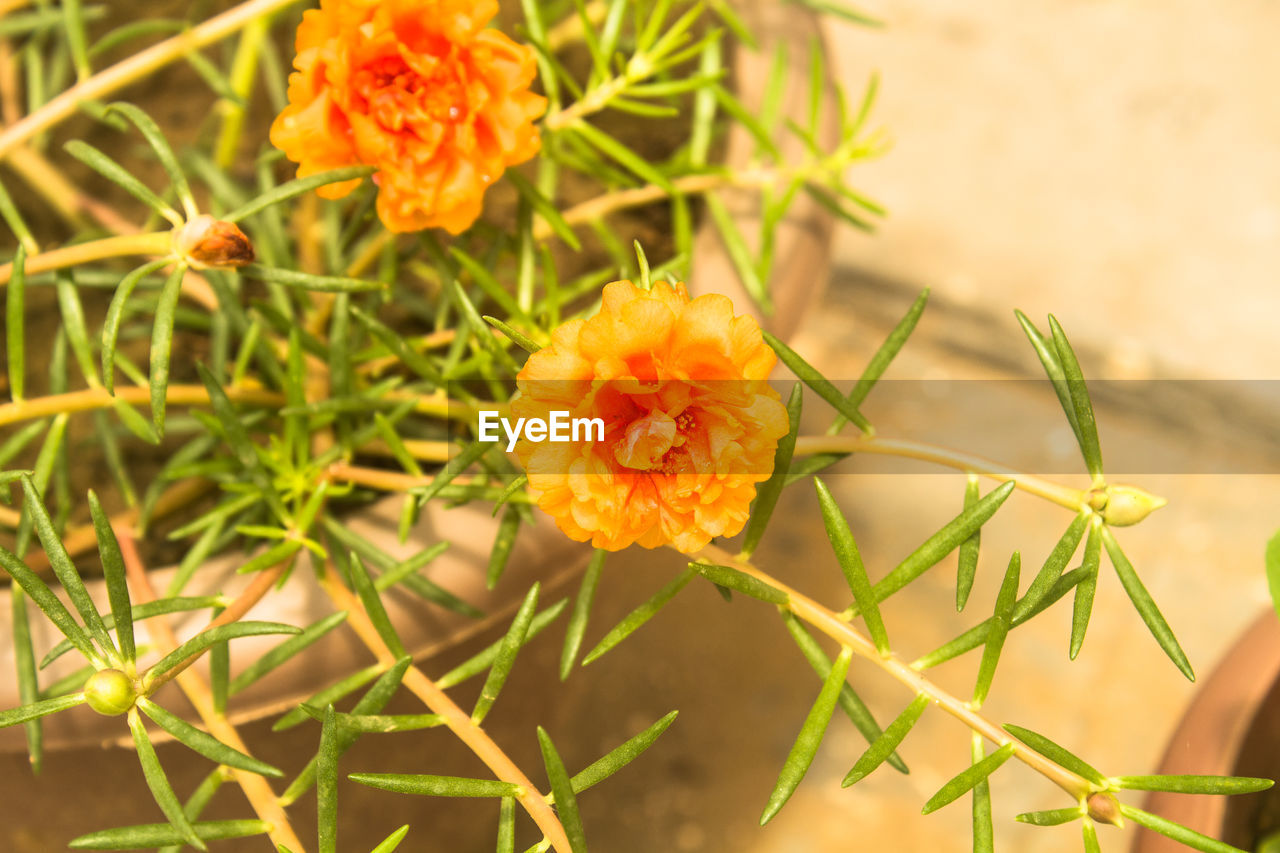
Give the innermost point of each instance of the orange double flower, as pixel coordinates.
(422, 90)
(691, 423)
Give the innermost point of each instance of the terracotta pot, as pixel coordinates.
(542, 552)
(1232, 728)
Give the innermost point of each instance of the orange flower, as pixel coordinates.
(422, 90)
(691, 424)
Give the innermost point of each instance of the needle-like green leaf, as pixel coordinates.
(853, 706)
(1087, 428)
(311, 281)
(983, 832)
(426, 785)
(1090, 834)
(28, 682)
(297, 187)
(392, 841)
(855, 573)
(113, 572)
(139, 613)
(364, 724)
(809, 375)
(515, 335)
(162, 344)
(1051, 817)
(159, 834)
(640, 615)
(484, 659)
(156, 139)
(327, 783)
(63, 568)
(506, 657)
(503, 542)
(749, 272)
(203, 742)
(1272, 560)
(1178, 832)
(968, 779)
(810, 737)
(577, 627)
(1048, 355)
(544, 208)
(887, 743)
(943, 542)
(562, 790)
(731, 578)
(621, 755)
(161, 790)
(36, 710)
(1226, 785)
(615, 150)
(73, 323)
(373, 606)
(507, 826)
(328, 696)
(118, 175)
(770, 490)
(15, 322)
(196, 805)
(968, 566)
(1083, 607)
(281, 653)
(1145, 605)
(1049, 574)
(999, 629)
(1056, 753)
(210, 636)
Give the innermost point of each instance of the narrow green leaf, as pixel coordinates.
(619, 152)
(9, 213)
(158, 834)
(1145, 605)
(887, 743)
(853, 706)
(272, 556)
(855, 573)
(1083, 606)
(1057, 560)
(327, 783)
(999, 629)
(1051, 817)
(73, 323)
(36, 710)
(1177, 832)
(1226, 785)
(373, 606)
(517, 337)
(63, 568)
(506, 657)
(411, 359)
(392, 841)
(507, 826)
(562, 790)
(731, 578)
(15, 322)
(1047, 352)
(1088, 428)
(297, 187)
(1056, 753)
(621, 756)
(161, 790)
(943, 542)
(545, 208)
(24, 659)
(436, 786)
(364, 724)
(203, 742)
(281, 653)
(810, 737)
(1272, 560)
(196, 804)
(484, 659)
(118, 175)
(639, 616)
(328, 696)
(311, 281)
(770, 490)
(810, 376)
(577, 627)
(753, 279)
(1090, 834)
(968, 566)
(503, 542)
(156, 139)
(208, 637)
(139, 613)
(114, 575)
(983, 832)
(968, 779)
(162, 343)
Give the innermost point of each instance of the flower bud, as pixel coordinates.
(1105, 808)
(207, 242)
(110, 692)
(1128, 505)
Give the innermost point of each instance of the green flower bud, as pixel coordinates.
(110, 692)
(1128, 505)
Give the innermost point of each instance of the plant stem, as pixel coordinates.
(1075, 499)
(842, 632)
(134, 68)
(458, 721)
(98, 398)
(150, 243)
(257, 790)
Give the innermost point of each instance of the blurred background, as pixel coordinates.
(1114, 162)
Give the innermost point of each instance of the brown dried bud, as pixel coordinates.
(1104, 808)
(207, 242)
